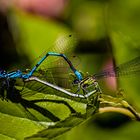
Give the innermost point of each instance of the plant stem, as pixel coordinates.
(124, 111)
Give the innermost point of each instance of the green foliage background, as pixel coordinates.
(93, 21)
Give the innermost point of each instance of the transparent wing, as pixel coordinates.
(56, 69)
(126, 69)
(64, 44)
(58, 75)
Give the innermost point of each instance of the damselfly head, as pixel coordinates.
(87, 81)
(88, 84)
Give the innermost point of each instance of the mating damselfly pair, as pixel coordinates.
(84, 88)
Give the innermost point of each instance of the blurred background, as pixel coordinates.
(108, 33)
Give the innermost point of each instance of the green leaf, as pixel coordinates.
(16, 127)
(60, 128)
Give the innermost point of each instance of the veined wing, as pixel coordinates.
(126, 69)
(64, 44)
(59, 76)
